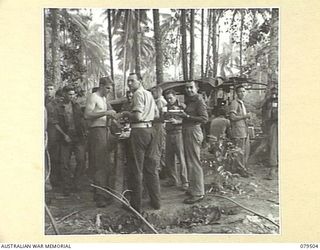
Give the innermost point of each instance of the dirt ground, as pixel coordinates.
(76, 214)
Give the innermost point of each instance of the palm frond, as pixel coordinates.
(78, 22)
(117, 20)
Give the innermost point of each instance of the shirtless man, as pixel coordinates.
(96, 112)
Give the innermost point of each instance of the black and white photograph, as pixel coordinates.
(161, 121)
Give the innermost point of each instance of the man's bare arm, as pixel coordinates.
(89, 112)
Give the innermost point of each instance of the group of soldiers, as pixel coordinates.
(162, 130)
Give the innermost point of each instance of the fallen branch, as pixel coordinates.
(251, 211)
(53, 222)
(124, 201)
(272, 201)
(64, 218)
(67, 216)
(124, 192)
(275, 202)
(120, 195)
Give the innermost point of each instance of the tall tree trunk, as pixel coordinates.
(208, 45)
(45, 43)
(87, 73)
(56, 73)
(177, 60)
(192, 45)
(222, 68)
(231, 35)
(202, 43)
(81, 56)
(126, 28)
(184, 45)
(214, 43)
(158, 46)
(217, 50)
(137, 42)
(111, 52)
(132, 67)
(177, 56)
(217, 41)
(110, 44)
(241, 34)
(113, 13)
(274, 46)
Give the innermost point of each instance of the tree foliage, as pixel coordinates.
(81, 52)
(233, 42)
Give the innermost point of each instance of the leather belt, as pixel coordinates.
(141, 125)
(97, 127)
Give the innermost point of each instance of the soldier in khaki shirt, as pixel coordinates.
(143, 145)
(239, 126)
